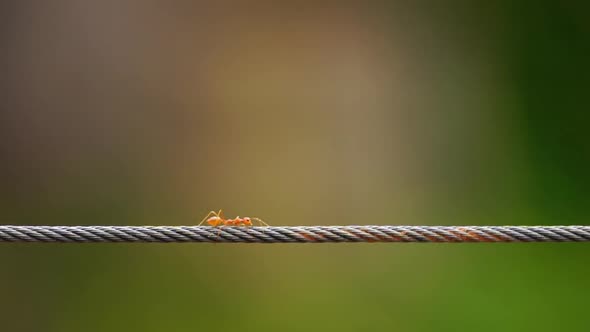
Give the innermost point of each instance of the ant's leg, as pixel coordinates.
(207, 216)
(219, 230)
(262, 223)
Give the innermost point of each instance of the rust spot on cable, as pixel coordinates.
(383, 238)
(431, 238)
(390, 238)
(367, 237)
(309, 237)
(401, 237)
(460, 235)
(471, 236)
(371, 240)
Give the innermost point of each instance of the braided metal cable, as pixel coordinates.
(296, 234)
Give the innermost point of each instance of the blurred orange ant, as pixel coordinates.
(217, 219)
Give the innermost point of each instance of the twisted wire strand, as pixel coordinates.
(295, 234)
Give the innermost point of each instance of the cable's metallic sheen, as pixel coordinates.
(296, 234)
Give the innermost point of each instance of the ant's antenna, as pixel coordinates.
(262, 223)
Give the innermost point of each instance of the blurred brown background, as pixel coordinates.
(153, 113)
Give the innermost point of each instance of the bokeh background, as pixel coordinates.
(301, 113)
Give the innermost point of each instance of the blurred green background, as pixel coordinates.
(300, 113)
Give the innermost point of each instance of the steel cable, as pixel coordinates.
(294, 234)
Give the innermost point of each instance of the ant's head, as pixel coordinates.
(247, 221)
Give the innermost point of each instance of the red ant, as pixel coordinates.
(219, 220)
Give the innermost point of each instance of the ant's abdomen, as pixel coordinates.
(214, 221)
